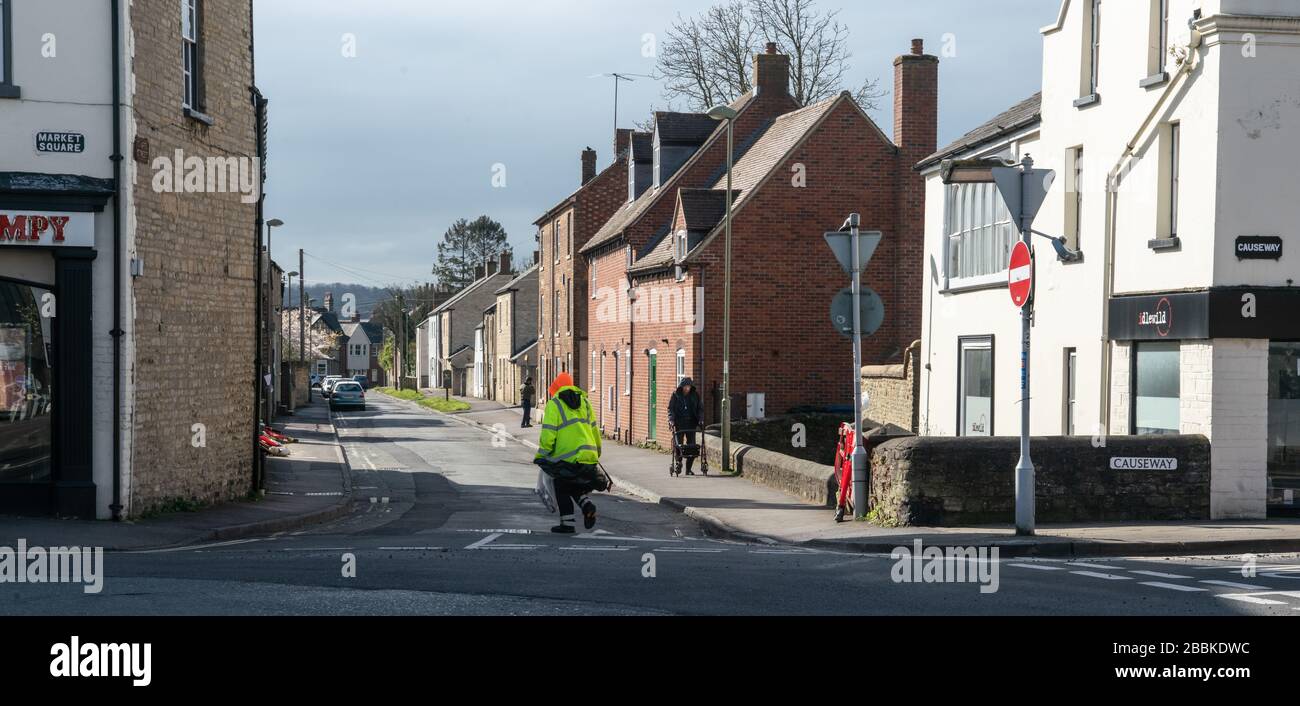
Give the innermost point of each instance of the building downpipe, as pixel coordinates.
(116, 48)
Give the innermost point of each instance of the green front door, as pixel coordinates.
(654, 393)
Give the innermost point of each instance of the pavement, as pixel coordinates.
(309, 486)
(734, 507)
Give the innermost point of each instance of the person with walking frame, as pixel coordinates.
(685, 413)
(569, 451)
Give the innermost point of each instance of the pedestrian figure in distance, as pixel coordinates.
(685, 412)
(526, 399)
(569, 451)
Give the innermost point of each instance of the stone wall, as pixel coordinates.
(193, 306)
(807, 480)
(953, 481)
(894, 389)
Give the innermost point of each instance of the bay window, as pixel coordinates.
(978, 233)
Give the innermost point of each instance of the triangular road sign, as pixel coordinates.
(1035, 183)
(842, 245)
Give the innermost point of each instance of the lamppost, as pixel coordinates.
(728, 114)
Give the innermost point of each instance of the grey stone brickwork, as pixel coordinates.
(955, 481)
(194, 319)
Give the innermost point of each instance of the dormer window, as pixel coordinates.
(681, 245)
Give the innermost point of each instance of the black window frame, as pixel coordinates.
(7, 87)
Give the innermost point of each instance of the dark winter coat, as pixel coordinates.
(526, 394)
(686, 410)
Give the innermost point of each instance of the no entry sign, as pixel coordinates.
(1020, 274)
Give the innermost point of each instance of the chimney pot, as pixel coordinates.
(771, 47)
(918, 47)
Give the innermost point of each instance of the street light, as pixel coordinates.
(728, 114)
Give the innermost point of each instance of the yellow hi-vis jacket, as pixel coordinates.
(569, 434)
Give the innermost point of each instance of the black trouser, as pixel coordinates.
(528, 414)
(684, 438)
(565, 494)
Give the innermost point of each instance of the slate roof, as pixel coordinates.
(330, 319)
(1018, 116)
(684, 128)
(702, 209)
(767, 154)
(630, 212)
(524, 350)
(374, 331)
(514, 283)
(471, 287)
(643, 147)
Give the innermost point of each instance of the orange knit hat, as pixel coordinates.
(561, 380)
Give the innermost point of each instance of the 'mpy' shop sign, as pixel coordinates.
(50, 229)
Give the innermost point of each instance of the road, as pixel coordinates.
(445, 523)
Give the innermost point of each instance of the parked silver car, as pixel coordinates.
(330, 381)
(347, 393)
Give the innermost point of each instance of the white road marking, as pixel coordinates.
(679, 550)
(1247, 598)
(197, 547)
(1160, 575)
(411, 549)
(594, 549)
(485, 541)
(498, 531)
(1172, 586)
(1096, 566)
(1108, 577)
(1233, 584)
(1040, 568)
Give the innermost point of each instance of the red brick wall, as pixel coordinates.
(916, 111)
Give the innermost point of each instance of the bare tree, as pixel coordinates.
(707, 60)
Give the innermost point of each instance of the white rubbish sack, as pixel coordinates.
(546, 491)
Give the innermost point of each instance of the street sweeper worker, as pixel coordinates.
(569, 451)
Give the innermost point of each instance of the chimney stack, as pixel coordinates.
(588, 165)
(329, 301)
(478, 272)
(916, 103)
(622, 142)
(771, 71)
(916, 111)
(504, 267)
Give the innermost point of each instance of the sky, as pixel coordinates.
(389, 119)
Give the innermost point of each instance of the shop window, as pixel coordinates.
(975, 386)
(1283, 427)
(1156, 387)
(26, 378)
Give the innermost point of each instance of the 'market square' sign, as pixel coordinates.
(60, 142)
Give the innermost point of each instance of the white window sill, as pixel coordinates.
(971, 284)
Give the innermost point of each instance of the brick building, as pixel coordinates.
(155, 187)
(561, 274)
(798, 172)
